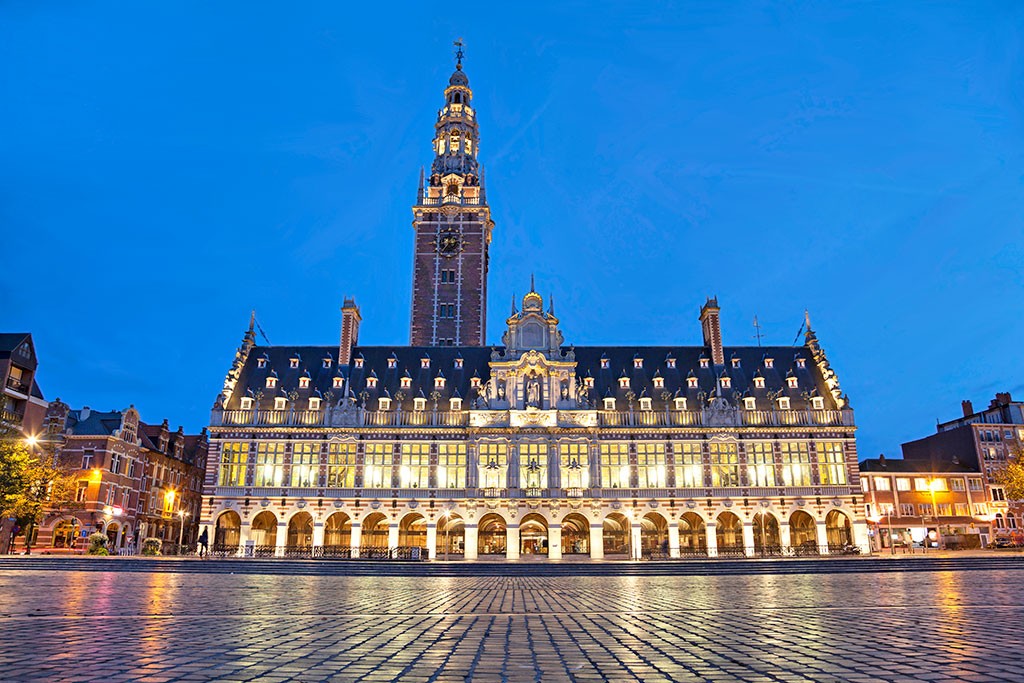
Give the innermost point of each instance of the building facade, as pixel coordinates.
(134, 480)
(534, 447)
(21, 401)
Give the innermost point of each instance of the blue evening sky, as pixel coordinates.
(166, 167)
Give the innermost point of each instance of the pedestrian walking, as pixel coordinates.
(204, 542)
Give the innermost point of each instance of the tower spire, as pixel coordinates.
(459, 53)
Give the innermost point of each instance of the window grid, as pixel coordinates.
(341, 465)
(689, 465)
(269, 464)
(377, 467)
(493, 458)
(831, 463)
(651, 465)
(451, 465)
(415, 469)
(234, 456)
(574, 463)
(760, 464)
(796, 463)
(614, 465)
(725, 464)
(305, 464)
(533, 465)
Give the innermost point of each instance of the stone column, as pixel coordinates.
(596, 541)
(392, 536)
(357, 537)
(860, 535)
(784, 538)
(431, 540)
(472, 541)
(711, 532)
(635, 541)
(282, 538)
(555, 542)
(822, 537)
(673, 539)
(318, 534)
(748, 539)
(512, 541)
(244, 535)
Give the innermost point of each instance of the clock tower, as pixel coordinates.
(453, 229)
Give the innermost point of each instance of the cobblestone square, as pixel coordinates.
(116, 626)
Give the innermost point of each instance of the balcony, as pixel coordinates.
(454, 199)
(15, 384)
(416, 418)
(260, 418)
(694, 418)
(13, 418)
(650, 418)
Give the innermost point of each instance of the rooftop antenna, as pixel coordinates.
(757, 331)
(260, 328)
(807, 319)
(459, 53)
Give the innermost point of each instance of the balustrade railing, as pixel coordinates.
(18, 385)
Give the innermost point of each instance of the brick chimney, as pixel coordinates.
(1003, 398)
(711, 325)
(968, 408)
(350, 319)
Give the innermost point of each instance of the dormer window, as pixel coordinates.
(425, 363)
(293, 363)
(659, 382)
(439, 382)
(680, 402)
(392, 363)
(646, 404)
(818, 403)
(801, 363)
(303, 383)
(246, 403)
(726, 382)
(419, 403)
(735, 363)
(783, 403)
(455, 403)
(384, 403)
(314, 403)
(371, 382)
(609, 403)
(759, 382)
(271, 382)
(604, 363)
(359, 363)
(458, 363)
(474, 382)
(327, 362)
(670, 363)
(750, 403)
(624, 382)
(769, 363)
(338, 382)
(406, 382)
(638, 363)
(704, 363)
(691, 382)
(791, 382)
(261, 362)
(280, 403)
(588, 382)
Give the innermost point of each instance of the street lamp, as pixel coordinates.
(936, 485)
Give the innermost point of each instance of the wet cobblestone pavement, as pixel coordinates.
(115, 626)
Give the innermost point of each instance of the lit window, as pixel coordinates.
(588, 382)
(338, 382)
(691, 382)
(680, 402)
(246, 403)
(439, 382)
(419, 403)
(314, 403)
(384, 403)
(609, 404)
(902, 483)
(261, 362)
(726, 382)
(659, 382)
(293, 363)
(801, 363)
(624, 382)
(392, 363)
(458, 363)
(750, 403)
(406, 382)
(783, 403)
(704, 363)
(791, 382)
(638, 363)
(359, 363)
(425, 363)
(645, 404)
(920, 484)
(327, 362)
(271, 382)
(474, 382)
(671, 363)
(303, 383)
(455, 403)
(371, 382)
(882, 483)
(818, 403)
(759, 382)
(769, 362)
(280, 403)
(604, 363)
(735, 363)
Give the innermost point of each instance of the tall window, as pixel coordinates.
(796, 463)
(451, 465)
(881, 483)
(651, 465)
(760, 464)
(269, 464)
(493, 459)
(305, 464)
(574, 465)
(87, 457)
(689, 465)
(341, 465)
(115, 463)
(83, 491)
(415, 469)
(533, 465)
(377, 467)
(725, 464)
(615, 465)
(234, 457)
(831, 465)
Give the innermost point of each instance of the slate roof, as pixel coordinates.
(914, 466)
(475, 360)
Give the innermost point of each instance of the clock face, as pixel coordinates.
(449, 243)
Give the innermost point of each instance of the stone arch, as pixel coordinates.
(412, 531)
(263, 530)
(767, 534)
(300, 530)
(338, 530)
(693, 534)
(66, 532)
(654, 535)
(533, 534)
(838, 530)
(451, 536)
(374, 532)
(113, 531)
(616, 534)
(729, 534)
(227, 531)
(492, 534)
(575, 534)
(803, 533)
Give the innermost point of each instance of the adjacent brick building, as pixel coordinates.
(21, 401)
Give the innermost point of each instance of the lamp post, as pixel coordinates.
(933, 486)
(888, 519)
(181, 528)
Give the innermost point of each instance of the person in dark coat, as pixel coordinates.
(204, 542)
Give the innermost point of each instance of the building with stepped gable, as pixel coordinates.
(449, 448)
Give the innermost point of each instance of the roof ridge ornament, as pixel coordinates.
(459, 53)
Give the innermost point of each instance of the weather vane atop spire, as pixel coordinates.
(459, 53)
